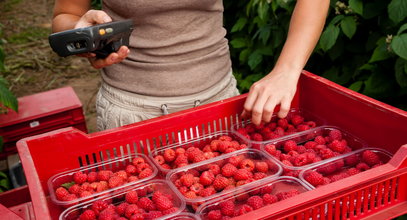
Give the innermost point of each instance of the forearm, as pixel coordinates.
(307, 23)
(67, 13)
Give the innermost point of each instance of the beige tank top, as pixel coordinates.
(178, 47)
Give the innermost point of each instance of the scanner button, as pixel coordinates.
(109, 30)
(102, 31)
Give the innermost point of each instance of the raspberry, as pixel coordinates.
(259, 175)
(163, 203)
(255, 202)
(115, 181)
(227, 208)
(352, 171)
(288, 194)
(92, 177)
(61, 192)
(300, 160)
(337, 146)
(352, 160)
(327, 153)
(138, 160)
(145, 173)
(121, 208)
(137, 216)
(290, 145)
(314, 178)
(196, 187)
(179, 151)
(131, 197)
(215, 215)
(214, 168)
(88, 215)
(283, 123)
(80, 177)
(362, 166)
(236, 160)
(335, 134)
(107, 214)
(104, 175)
(169, 155)
(131, 169)
(247, 164)
(84, 194)
(296, 119)
(303, 128)
(99, 205)
(102, 186)
(228, 170)
(310, 144)
(370, 158)
(320, 140)
(207, 191)
(244, 209)
(262, 166)
(242, 174)
(220, 183)
(256, 137)
(153, 215)
(74, 189)
(269, 199)
(206, 178)
(169, 211)
(187, 179)
(181, 159)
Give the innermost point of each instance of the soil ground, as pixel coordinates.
(32, 66)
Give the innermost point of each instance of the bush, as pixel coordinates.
(363, 45)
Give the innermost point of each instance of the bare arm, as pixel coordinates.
(69, 14)
(279, 86)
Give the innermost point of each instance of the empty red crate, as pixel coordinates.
(40, 113)
(376, 123)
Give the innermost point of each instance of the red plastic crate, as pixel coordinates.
(40, 113)
(378, 193)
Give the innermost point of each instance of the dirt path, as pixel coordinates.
(32, 66)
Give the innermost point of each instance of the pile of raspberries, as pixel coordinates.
(86, 184)
(342, 168)
(135, 204)
(276, 128)
(172, 158)
(319, 148)
(226, 174)
(246, 202)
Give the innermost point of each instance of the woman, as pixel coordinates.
(179, 58)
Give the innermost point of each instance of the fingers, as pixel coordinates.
(257, 112)
(284, 107)
(93, 17)
(113, 58)
(268, 109)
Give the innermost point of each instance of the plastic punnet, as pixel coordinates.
(308, 155)
(174, 177)
(113, 165)
(277, 190)
(246, 130)
(146, 189)
(201, 143)
(344, 166)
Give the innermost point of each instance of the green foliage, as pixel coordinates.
(4, 182)
(96, 4)
(7, 99)
(363, 45)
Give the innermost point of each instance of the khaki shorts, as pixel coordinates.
(116, 107)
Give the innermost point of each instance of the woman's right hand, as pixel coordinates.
(93, 17)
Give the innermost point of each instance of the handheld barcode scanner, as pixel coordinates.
(101, 39)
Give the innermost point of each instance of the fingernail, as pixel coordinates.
(107, 19)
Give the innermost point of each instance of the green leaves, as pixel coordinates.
(399, 45)
(238, 43)
(328, 37)
(6, 97)
(348, 25)
(356, 6)
(239, 25)
(380, 53)
(397, 10)
(4, 182)
(401, 73)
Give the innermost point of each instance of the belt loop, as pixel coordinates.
(164, 109)
(197, 103)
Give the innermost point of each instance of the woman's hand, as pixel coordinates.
(278, 87)
(93, 17)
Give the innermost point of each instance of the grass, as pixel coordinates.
(28, 35)
(9, 5)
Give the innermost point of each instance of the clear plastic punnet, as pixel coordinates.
(156, 199)
(198, 149)
(185, 216)
(210, 179)
(299, 151)
(250, 198)
(344, 166)
(85, 183)
(297, 120)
